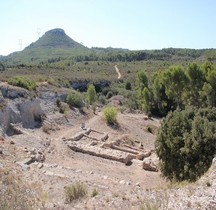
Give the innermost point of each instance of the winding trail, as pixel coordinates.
(117, 71)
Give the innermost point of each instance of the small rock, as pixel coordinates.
(49, 173)
(1, 152)
(145, 118)
(25, 149)
(137, 184)
(128, 183)
(33, 151)
(149, 165)
(25, 167)
(105, 177)
(140, 156)
(26, 161)
(122, 182)
(93, 143)
(91, 172)
(78, 171)
(214, 161)
(60, 167)
(40, 165)
(12, 142)
(49, 150)
(60, 175)
(54, 165)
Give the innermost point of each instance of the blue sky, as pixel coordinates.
(132, 24)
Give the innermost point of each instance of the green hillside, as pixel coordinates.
(55, 47)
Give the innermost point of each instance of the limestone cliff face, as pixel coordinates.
(17, 107)
(28, 112)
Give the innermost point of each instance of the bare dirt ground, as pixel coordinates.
(118, 72)
(118, 185)
(63, 166)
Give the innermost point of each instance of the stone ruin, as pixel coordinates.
(98, 144)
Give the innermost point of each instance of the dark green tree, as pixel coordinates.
(186, 143)
(162, 104)
(142, 80)
(194, 85)
(91, 94)
(175, 81)
(2, 67)
(211, 95)
(128, 86)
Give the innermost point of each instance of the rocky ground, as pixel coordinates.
(43, 159)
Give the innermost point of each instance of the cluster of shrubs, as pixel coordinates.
(22, 82)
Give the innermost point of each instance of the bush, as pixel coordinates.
(74, 99)
(94, 193)
(75, 191)
(111, 115)
(46, 129)
(186, 143)
(109, 95)
(2, 67)
(58, 102)
(63, 108)
(22, 82)
(128, 86)
(91, 94)
(102, 99)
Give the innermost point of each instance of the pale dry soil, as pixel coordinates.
(63, 166)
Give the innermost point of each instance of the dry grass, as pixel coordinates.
(75, 191)
(14, 193)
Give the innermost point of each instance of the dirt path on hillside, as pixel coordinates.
(117, 71)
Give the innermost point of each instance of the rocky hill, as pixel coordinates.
(55, 38)
(53, 44)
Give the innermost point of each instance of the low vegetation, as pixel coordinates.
(14, 193)
(91, 94)
(74, 99)
(110, 114)
(22, 82)
(75, 191)
(94, 192)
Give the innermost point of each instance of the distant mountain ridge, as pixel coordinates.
(55, 45)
